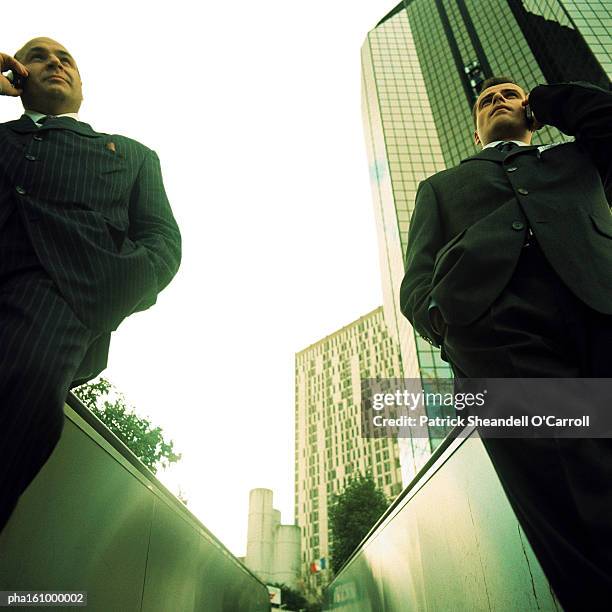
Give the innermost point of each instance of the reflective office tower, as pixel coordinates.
(423, 65)
(329, 449)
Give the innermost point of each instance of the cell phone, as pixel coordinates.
(16, 80)
(529, 118)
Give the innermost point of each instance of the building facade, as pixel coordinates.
(422, 67)
(329, 448)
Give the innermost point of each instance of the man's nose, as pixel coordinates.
(53, 60)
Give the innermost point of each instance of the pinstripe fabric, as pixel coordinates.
(96, 211)
(86, 238)
(42, 344)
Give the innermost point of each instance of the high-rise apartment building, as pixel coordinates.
(329, 448)
(423, 65)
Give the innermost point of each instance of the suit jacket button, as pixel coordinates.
(522, 191)
(30, 157)
(37, 137)
(518, 225)
(20, 190)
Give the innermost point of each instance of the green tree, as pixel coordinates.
(352, 514)
(145, 441)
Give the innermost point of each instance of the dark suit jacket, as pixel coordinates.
(95, 208)
(470, 221)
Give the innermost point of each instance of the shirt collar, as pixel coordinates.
(35, 116)
(520, 143)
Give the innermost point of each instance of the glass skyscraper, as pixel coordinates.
(423, 66)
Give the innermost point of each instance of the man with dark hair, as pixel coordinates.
(87, 237)
(499, 80)
(509, 271)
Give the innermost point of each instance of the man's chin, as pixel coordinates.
(56, 86)
(56, 94)
(507, 130)
(47, 104)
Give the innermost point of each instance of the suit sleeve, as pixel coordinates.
(152, 226)
(582, 110)
(424, 241)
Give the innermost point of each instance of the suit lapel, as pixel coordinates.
(544, 212)
(25, 125)
(22, 125)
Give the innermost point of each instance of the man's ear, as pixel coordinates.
(476, 138)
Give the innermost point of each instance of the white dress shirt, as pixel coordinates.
(520, 143)
(36, 116)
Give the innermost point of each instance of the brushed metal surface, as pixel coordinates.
(453, 543)
(95, 520)
(82, 525)
(186, 571)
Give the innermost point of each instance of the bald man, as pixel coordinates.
(87, 237)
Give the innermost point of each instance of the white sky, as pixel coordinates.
(254, 109)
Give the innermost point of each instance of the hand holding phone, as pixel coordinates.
(529, 117)
(12, 76)
(532, 123)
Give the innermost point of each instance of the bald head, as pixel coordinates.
(54, 84)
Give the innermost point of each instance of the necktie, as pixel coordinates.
(42, 120)
(504, 147)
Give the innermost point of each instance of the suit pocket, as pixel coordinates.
(436, 320)
(602, 223)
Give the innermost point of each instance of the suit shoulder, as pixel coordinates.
(129, 143)
(440, 178)
(129, 148)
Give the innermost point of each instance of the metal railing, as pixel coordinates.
(450, 541)
(95, 519)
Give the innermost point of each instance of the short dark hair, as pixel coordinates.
(494, 80)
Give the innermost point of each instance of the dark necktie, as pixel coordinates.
(42, 120)
(504, 147)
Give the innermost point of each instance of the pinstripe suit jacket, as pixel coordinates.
(99, 220)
